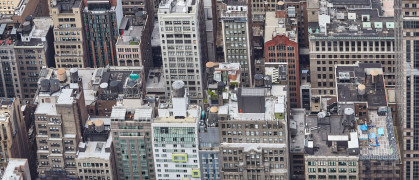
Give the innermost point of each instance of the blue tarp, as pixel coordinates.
(380, 131)
(364, 127)
(372, 135)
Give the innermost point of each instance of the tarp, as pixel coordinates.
(380, 131)
(372, 135)
(364, 127)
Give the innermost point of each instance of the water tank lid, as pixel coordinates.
(178, 84)
(28, 18)
(60, 71)
(103, 85)
(221, 84)
(134, 76)
(214, 109)
(73, 70)
(258, 77)
(321, 115)
(349, 111)
(210, 64)
(374, 72)
(361, 87)
(99, 122)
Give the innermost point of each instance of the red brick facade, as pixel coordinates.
(282, 50)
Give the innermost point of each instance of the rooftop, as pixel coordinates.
(155, 35)
(112, 82)
(95, 149)
(46, 108)
(355, 83)
(377, 140)
(193, 115)
(320, 131)
(132, 36)
(236, 9)
(13, 165)
(275, 25)
(39, 34)
(296, 129)
(177, 6)
(263, 106)
(61, 83)
(66, 97)
(353, 19)
(67, 6)
(155, 82)
(122, 112)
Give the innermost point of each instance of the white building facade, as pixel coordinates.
(180, 38)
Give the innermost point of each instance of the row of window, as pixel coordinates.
(351, 46)
(331, 163)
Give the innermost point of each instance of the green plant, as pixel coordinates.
(234, 84)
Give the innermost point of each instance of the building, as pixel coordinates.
(260, 8)
(346, 34)
(253, 135)
(236, 22)
(209, 152)
(9, 8)
(211, 25)
(132, 7)
(183, 45)
(354, 131)
(60, 116)
(94, 160)
(156, 45)
(10, 79)
(281, 49)
(33, 51)
(330, 153)
(17, 169)
(305, 89)
(406, 86)
(69, 41)
(175, 137)
(111, 84)
(298, 9)
(365, 89)
(95, 157)
(133, 47)
(131, 128)
(101, 21)
(297, 136)
(14, 136)
(155, 87)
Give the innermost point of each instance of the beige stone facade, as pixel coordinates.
(8, 7)
(68, 35)
(13, 135)
(59, 118)
(325, 54)
(260, 7)
(331, 167)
